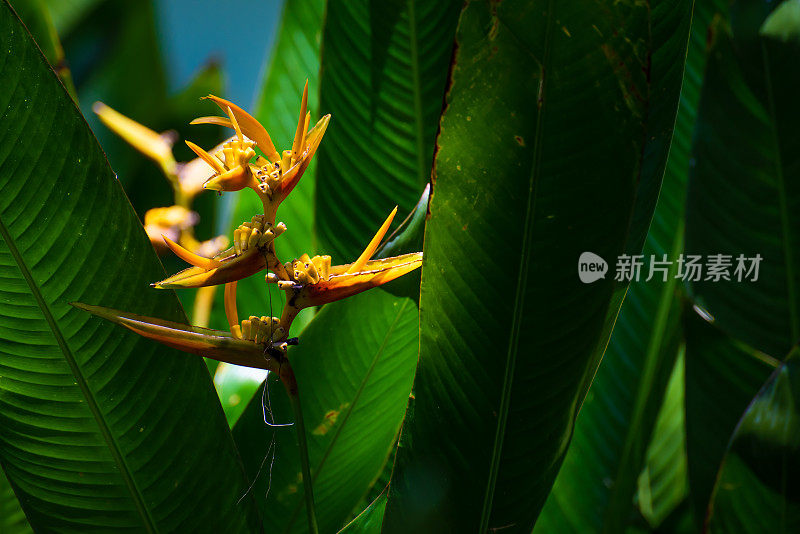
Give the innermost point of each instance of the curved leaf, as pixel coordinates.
(99, 429)
(509, 334)
(757, 487)
(354, 367)
(744, 191)
(722, 377)
(67, 13)
(594, 489)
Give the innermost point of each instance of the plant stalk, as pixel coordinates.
(289, 382)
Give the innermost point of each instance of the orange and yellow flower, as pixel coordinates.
(308, 281)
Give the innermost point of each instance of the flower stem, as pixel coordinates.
(289, 382)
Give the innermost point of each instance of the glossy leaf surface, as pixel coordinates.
(744, 193)
(100, 428)
(354, 367)
(595, 487)
(510, 336)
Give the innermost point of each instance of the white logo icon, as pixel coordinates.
(591, 267)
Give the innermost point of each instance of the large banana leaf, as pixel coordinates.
(354, 367)
(544, 145)
(757, 487)
(744, 192)
(595, 486)
(384, 68)
(100, 429)
(742, 201)
(722, 377)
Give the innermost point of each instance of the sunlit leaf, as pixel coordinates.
(100, 429)
(354, 367)
(595, 487)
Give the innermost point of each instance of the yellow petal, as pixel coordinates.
(250, 127)
(194, 174)
(212, 161)
(373, 245)
(290, 178)
(218, 121)
(231, 267)
(231, 312)
(142, 138)
(343, 283)
(299, 134)
(235, 124)
(171, 217)
(235, 179)
(305, 133)
(191, 257)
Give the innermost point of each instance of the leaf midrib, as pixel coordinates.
(80, 379)
(350, 409)
(522, 280)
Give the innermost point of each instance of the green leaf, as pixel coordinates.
(383, 79)
(757, 488)
(664, 483)
(510, 337)
(369, 521)
(722, 377)
(236, 386)
(744, 191)
(100, 429)
(354, 367)
(594, 489)
(12, 518)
